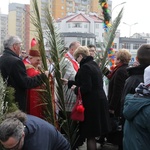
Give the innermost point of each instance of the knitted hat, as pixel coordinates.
(81, 50)
(34, 51)
(147, 76)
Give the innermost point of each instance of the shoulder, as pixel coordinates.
(28, 66)
(122, 70)
(65, 61)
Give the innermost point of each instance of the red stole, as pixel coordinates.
(74, 63)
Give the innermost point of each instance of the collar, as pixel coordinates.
(70, 56)
(9, 51)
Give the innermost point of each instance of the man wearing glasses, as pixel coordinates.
(14, 72)
(26, 132)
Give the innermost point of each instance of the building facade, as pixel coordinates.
(87, 29)
(132, 44)
(19, 22)
(61, 8)
(3, 29)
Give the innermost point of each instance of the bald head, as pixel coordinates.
(73, 46)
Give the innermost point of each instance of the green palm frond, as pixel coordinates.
(54, 42)
(56, 53)
(36, 21)
(109, 38)
(46, 95)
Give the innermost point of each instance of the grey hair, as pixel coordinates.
(11, 127)
(11, 40)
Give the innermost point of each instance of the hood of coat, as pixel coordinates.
(138, 70)
(134, 103)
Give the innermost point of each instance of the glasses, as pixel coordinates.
(23, 52)
(16, 147)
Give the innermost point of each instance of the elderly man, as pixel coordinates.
(70, 67)
(13, 70)
(34, 101)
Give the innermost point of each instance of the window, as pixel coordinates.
(83, 41)
(79, 39)
(115, 45)
(88, 41)
(136, 46)
(126, 45)
(62, 7)
(77, 25)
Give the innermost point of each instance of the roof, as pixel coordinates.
(96, 18)
(79, 18)
(60, 19)
(142, 34)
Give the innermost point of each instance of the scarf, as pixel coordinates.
(109, 76)
(74, 63)
(143, 90)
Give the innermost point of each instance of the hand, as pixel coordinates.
(73, 87)
(111, 111)
(46, 73)
(64, 81)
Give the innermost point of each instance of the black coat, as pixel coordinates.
(89, 79)
(115, 89)
(134, 79)
(13, 70)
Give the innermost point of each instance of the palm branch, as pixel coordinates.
(108, 39)
(51, 35)
(56, 53)
(46, 95)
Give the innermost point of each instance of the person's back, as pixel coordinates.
(8, 62)
(136, 127)
(137, 114)
(14, 72)
(40, 135)
(21, 131)
(136, 73)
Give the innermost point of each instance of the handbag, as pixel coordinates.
(77, 113)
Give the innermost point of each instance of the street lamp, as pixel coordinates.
(130, 25)
(118, 5)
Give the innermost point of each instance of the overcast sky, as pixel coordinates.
(135, 11)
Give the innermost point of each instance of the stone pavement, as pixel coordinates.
(107, 146)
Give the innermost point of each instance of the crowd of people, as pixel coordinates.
(127, 100)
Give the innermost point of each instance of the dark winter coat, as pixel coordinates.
(116, 84)
(40, 135)
(14, 72)
(89, 79)
(135, 77)
(137, 125)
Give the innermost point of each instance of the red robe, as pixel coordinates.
(34, 103)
